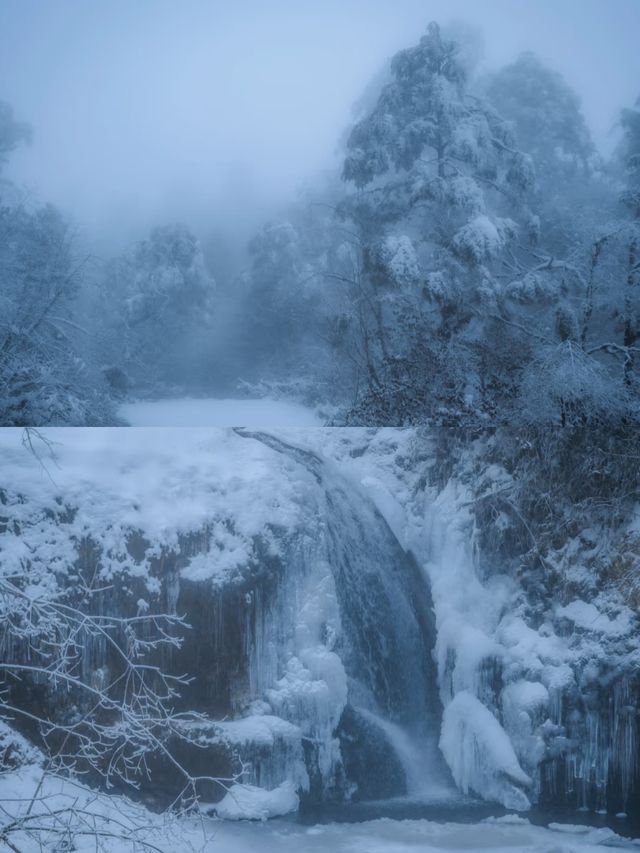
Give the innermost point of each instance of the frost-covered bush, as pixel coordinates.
(563, 385)
(555, 507)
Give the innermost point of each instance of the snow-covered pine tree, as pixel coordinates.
(550, 126)
(547, 114)
(158, 301)
(630, 122)
(293, 304)
(440, 191)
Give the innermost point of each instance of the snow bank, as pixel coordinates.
(259, 414)
(104, 484)
(587, 616)
(126, 826)
(63, 814)
(246, 802)
(260, 729)
(15, 750)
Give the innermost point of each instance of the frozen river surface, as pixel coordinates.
(507, 835)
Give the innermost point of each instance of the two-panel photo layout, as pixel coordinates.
(319, 426)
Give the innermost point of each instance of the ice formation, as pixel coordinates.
(480, 754)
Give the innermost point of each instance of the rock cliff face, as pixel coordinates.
(319, 651)
(592, 763)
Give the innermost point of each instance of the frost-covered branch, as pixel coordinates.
(118, 708)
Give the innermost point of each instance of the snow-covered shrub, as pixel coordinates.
(564, 386)
(15, 750)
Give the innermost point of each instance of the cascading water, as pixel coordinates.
(416, 756)
(312, 634)
(343, 647)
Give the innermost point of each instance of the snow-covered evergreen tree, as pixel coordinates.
(440, 193)
(550, 126)
(630, 121)
(159, 302)
(548, 119)
(430, 147)
(293, 305)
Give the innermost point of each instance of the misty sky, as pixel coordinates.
(211, 113)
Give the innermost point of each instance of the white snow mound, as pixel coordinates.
(246, 802)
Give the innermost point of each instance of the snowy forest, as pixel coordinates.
(474, 263)
(390, 597)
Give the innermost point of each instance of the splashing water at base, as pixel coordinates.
(416, 755)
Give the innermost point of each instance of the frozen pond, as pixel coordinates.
(185, 412)
(124, 826)
(510, 833)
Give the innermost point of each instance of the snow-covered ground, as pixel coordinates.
(165, 482)
(84, 821)
(501, 835)
(260, 413)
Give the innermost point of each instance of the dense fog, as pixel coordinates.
(184, 210)
(212, 114)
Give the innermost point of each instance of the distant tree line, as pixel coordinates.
(77, 335)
